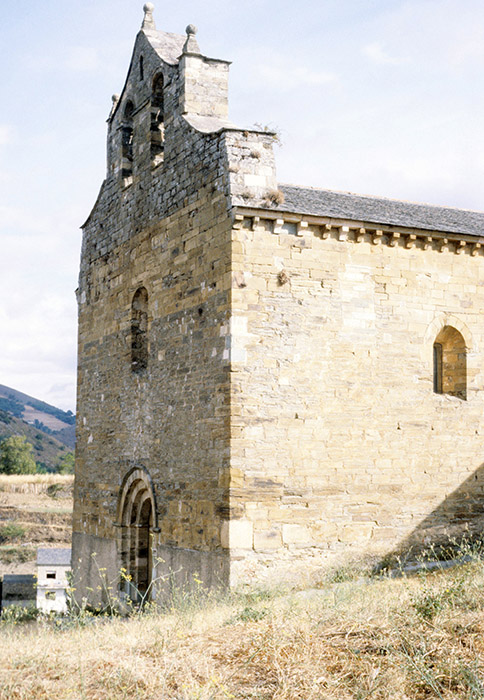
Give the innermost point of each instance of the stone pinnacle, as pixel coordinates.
(148, 21)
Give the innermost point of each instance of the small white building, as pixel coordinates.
(53, 566)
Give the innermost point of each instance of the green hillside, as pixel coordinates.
(50, 420)
(48, 450)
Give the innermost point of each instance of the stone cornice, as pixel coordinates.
(356, 231)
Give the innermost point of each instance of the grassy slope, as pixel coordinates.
(39, 507)
(51, 416)
(47, 448)
(381, 639)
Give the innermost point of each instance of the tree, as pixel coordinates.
(66, 464)
(16, 456)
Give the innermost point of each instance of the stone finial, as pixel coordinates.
(115, 99)
(148, 21)
(191, 44)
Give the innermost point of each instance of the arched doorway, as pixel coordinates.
(137, 517)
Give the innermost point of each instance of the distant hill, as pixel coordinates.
(50, 430)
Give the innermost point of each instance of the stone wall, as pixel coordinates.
(338, 441)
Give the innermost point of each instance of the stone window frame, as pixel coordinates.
(432, 354)
(450, 363)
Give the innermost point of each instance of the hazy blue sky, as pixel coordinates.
(379, 97)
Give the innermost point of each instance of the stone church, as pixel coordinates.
(270, 377)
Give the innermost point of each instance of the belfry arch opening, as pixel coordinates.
(127, 133)
(450, 363)
(157, 122)
(137, 512)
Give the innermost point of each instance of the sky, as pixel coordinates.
(381, 97)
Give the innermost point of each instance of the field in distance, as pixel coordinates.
(35, 511)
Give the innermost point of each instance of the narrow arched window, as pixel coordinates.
(157, 122)
(450, 363)
(141, 68)
(127, 141)
(139, 330)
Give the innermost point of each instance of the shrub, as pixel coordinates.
(249, 614)
(66, 464)
(17, 555)
(15, 614)
(16, 456)
(11, 532)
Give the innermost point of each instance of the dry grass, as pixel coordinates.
(8, 481)
(381, 639)
(275, 197)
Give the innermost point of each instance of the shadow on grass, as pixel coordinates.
(452, 533)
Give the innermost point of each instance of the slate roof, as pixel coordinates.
(54, 557)
(18, 587)
(18, 578)
(378, 210)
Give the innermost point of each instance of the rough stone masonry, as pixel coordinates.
(270, 377)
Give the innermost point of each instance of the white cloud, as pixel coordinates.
(38, 352)
(376, 53)
(271, 68)
(284, 77)
(38, 275)
(443, 34)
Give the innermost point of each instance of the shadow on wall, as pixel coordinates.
(458, 522)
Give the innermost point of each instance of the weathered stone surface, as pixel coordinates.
(237, 534)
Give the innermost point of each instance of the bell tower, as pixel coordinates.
(153, 443)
